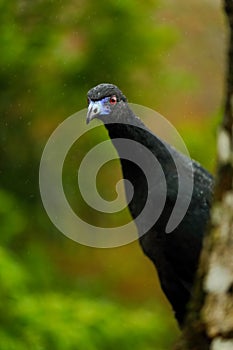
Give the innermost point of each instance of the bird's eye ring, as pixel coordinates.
(113, 100)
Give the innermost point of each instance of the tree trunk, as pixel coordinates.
(209, 322)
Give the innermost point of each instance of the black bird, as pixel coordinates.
(175, 255)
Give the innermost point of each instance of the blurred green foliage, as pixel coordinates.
(39, 318)
(71, 321)
(53, 293)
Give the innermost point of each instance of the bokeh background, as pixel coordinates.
(167, 55)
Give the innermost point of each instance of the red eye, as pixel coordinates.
(113, 100)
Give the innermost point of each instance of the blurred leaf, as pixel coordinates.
(12, 217)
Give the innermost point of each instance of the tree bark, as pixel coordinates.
(209, 324)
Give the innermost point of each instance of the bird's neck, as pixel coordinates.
(130, 127)
(126, 125)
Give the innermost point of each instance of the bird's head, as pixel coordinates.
(105, 101)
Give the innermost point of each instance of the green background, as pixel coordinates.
(169, 56)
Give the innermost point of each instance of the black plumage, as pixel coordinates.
(175, 255)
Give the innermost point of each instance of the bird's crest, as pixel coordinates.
(105, 90)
